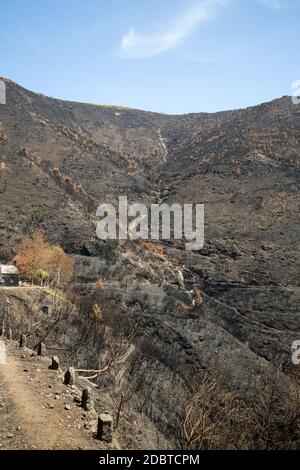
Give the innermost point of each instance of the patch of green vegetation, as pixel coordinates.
(116, 108)
(54, 293)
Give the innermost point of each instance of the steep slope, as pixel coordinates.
(60, 159)
(32, 395)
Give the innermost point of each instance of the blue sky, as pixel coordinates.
(173, 56)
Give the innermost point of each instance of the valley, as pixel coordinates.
(222, 318)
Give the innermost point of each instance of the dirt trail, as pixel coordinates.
(25, 421)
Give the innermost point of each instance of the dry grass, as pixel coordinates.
(100, 283)
(198, 298)
(156, 249)
(97, 312)
(186, 308)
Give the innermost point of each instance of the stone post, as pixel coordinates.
(105, 427)
(55, 363)
(42, 349)
(70, 376)
(22, 341)
(9, 334)
(87, 399)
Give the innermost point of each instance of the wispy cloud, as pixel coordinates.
(279, 4)
(138, 46)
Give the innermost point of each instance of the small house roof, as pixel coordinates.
(8, 269)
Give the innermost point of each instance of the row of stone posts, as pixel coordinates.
(22, 341)
(105, 420)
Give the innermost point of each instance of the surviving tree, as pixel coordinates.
(36, 256)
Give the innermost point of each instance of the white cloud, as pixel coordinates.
(138, 46)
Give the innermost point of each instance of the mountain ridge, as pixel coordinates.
(128, 108)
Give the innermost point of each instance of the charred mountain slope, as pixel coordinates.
(60, 159)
